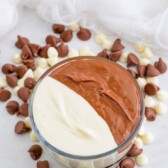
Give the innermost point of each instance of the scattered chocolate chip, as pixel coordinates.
(8, 68)
(127, 163)
(21, 128)
(43, 164)
(30, 63)
(132, 60)
(21, 42)
(35, 151)
(134, 151)
(133, 73)
(67, 35)
(12, 107)
(30, 83)
(161, 66)
(115, 56)
(117, 46)
(23, 110)
(4, 95)
(141, 69)
(52, 40)
(11, 80)
(151, 89)
(150, 114)
(103, 54)
(43, 51)
(84, 34)
(35, 48)
(151, 71)
(24, 93)
(21, 70)
(62, 50)
(58, 28)
(26, 53)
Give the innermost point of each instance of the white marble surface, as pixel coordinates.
(14, 148)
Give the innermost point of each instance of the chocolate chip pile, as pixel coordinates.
(34, 60)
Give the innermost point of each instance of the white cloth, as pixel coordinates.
(133, 20)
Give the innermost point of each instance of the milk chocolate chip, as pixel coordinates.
(115, 56)
(35, 151)
(141, 69)
(29, 83)
(52, 40)
(117, 46)
(21, 70)
(133, 73)
(62, 50)
(11, 80)
(67, 35)
(134, 151)
(127, 163)
(21, 42)
(161, 66)
(132, 60)
(30, 63)
(12, 107)
(23, 110)
(4, 95)
(43, 164)
(84, 34)
(35, 49)
(151, 89)
(8, 68)
(43, 51)
(151, 71)
(20, 128)
(150, 114)
(58, 28)
(26, 53)
(24, 93)
(103, 54)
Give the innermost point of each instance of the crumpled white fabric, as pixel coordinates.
(133, 20)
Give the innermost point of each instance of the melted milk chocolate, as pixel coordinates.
(108, 88)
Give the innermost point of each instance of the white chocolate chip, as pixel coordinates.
(73, 53)
(160, 108)
(33, 137)
(147, 138)
(162, 95)
(107, 44)
(144, 61)
(139, 47)
(20, 82)
(38, 72)
(141, 160)
(141, 131)
(147, 53)
(42, 63)
(153, 80)
(138, 142)
(141, 82)
(100, 38)
(52, 52)
(15, 89)
(3, 82)
(85, 51)
(124, 56)
(27, 122)
(74, 27)
(29, 73)
(17, 59)
(52, 61)
(149, 101)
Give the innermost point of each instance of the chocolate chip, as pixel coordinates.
(21, 70)
(151, 89)
(35, 151)
(26, 53)
(52, 40)
(134, 151)
(103, 54)
(11, 80)
(24, 93)
(62, 50)
(84, 34)
(115, 56)
(35, 49)
(117, 46)
(151, 71)
(150, 114)
(67, 35)
(43, 164)
(127, 163)
(43, 51)
(30, 63)
(8, 68)
(21, 42)
(23, 109)
(141, 69)
(161, 66)
(4, 95)
(12, 107)
(21, 128)
(58, 28)
(30, 83)
(133, 73)
(132, 60)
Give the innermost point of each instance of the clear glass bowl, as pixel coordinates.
(95, 161)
